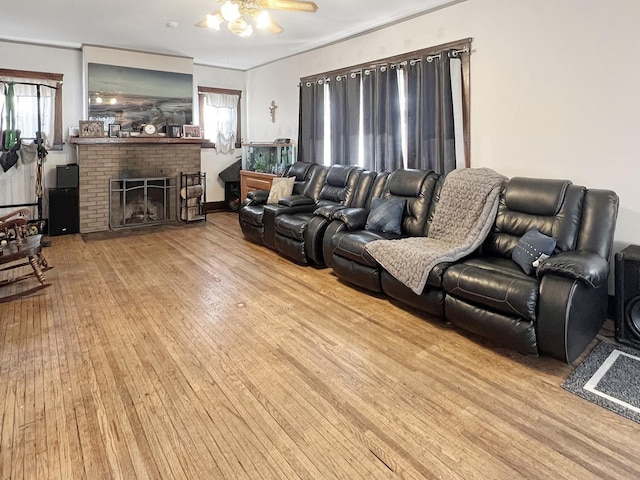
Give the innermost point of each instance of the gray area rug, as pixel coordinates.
(609, 377)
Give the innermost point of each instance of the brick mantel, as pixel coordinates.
(133, 140)
(103, 159)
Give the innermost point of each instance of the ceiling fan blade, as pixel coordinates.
(274, 27)
(297, 5)
(211, 20)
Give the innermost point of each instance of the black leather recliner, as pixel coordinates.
(298, 235)
(371, 186)
(251, 212)
(300, 203)
(349, 259)
(557, 311)
(560, 309)
(323, 216)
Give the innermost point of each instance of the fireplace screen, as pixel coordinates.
(136, 202)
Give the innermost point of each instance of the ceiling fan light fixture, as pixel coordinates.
(214, 21)
(247, 31)
(237, 12)
(230, 11)
(240, 27)
(263, 20)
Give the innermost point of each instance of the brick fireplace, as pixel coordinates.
(102, 159)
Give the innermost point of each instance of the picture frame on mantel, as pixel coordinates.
(191, 131)
(114, 130)
(174, 131)
(91, 128)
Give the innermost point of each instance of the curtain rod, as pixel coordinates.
(383, 66)
(451, 53)
(461, 47)
(29, 83)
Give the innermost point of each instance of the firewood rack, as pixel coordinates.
(193, 196)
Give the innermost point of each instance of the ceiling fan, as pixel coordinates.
(237, 12)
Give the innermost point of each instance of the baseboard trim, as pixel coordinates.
(211, 207)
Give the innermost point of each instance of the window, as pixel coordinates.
(24, 86)
(407, 111)
(220, 118)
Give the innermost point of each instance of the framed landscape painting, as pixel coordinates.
(133, 97)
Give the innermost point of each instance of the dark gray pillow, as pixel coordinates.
(529, 248)
(386, 215)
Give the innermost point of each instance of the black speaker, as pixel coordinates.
(64, 211)
(232, 196)
(627, 264)
(67, 176)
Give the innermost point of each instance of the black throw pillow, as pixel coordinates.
(530, 247)
(386, 215)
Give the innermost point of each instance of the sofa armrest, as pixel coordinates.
(296, 201)
(579, 265)
(255, 197)
(258, 196)
(328, 211)
(353, 218)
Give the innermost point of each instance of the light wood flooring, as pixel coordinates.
(193, 354)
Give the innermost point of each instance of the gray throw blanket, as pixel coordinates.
(462, 220)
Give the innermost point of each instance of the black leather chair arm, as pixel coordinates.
(579, 265)
(259, 197)
(570, 315)
(296, 201)
(328, 211)
(353, 218)
(255, 198)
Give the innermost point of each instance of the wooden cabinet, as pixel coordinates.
(250, 180)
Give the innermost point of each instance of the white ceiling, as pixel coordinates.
(142, 25)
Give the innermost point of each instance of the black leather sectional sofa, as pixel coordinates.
(555, 309)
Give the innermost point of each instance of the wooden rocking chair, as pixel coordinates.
(17, 244)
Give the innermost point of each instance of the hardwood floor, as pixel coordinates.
(192, 353)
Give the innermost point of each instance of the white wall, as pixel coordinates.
(69, 62)
(212, 161)
(553, 88)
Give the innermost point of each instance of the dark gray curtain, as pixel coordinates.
(430, 126)
(381, 120)
(344, 94)
(311, 122)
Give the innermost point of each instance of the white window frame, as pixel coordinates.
(202, 104)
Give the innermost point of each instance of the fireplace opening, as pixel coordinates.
(136, 202)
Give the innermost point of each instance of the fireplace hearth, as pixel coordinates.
(137, 202)
(103, 159)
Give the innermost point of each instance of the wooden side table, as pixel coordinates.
(250, 181)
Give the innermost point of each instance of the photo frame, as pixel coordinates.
(114, 130)
(91, 128)
(174, 131)
(191, 131)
